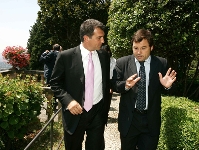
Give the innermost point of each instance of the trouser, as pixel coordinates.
(93, 125)
(139, 135)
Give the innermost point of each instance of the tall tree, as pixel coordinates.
(63, 19)
(59, 22)
(174, 25)
(38, 42)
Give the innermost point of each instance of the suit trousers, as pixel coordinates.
(139, 135)
(92, 124)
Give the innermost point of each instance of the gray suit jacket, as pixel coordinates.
(68, 83)
(126, 67)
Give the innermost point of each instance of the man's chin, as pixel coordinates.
(140, 59)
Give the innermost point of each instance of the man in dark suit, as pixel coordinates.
(140, 78)
(49, 58)
(69, 84)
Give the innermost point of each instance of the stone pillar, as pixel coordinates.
(50, 99)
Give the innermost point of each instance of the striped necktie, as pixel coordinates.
(89, 84)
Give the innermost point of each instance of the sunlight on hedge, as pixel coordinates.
(180, 124)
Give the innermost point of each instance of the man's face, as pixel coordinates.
(141, 50)
(96, 41)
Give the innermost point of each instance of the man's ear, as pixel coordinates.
(85, 38)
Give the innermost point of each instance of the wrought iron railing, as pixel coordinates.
(50, 122)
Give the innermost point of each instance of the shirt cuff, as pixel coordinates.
(168, 88)
(126, 88)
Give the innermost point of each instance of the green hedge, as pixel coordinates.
(20, 104)
(180, 124)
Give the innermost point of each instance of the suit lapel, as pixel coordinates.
(77, 64)
(132, 66)
(104, 69)
(153, 66)
(102, 62)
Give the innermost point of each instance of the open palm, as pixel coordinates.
(168, 79)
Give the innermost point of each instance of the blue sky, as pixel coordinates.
(17, 17)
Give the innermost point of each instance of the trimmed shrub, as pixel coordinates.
(20, 104)
(180, 124)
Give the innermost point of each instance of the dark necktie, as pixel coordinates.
(141, 94)
(89, 84)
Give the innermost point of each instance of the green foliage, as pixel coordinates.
(174, 25)
(121, 22)
(167, 20)
(64, 19)
(59, 22)
(20, 104)
(38, 42)
(180, 124)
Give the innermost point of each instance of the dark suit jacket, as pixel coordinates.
(49, 61)
(68, 83)
(126, 67)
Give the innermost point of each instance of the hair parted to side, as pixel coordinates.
(88, 27)
(142, 34)
(106, 48)
(56, 47)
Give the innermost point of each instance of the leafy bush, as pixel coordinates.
(20, 104)
(180, 124)
(174, 25)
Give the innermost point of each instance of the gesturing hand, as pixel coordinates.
(168, 79)
(131, 81)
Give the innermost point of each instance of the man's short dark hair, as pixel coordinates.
(88, 27)
(143, 34)
(107, 48)
(56, 47)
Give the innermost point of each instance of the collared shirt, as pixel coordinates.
(112, 65)
(97, 72)
(147, 70)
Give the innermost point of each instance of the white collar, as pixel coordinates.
(85, 52)
(148, 60)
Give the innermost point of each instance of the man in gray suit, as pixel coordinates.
(140, 78)
(68, 81)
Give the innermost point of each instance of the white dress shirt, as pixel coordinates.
(97, 72)
(112, 66)
(147, 70)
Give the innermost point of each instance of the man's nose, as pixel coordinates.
(139, 51)
(102, 40)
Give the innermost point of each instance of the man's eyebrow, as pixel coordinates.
(100, 36)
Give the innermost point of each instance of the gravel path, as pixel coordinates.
(112, 138)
